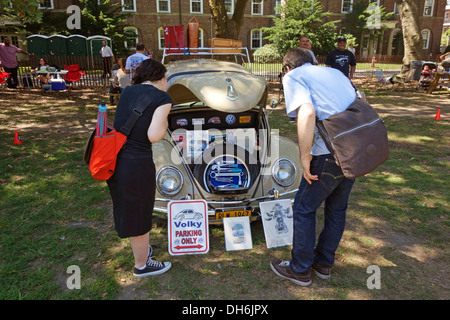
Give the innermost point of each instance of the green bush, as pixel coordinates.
(267, 54)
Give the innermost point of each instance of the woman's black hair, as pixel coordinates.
(149, 70)
(296, 57)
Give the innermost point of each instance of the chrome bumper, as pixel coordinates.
(233, 203)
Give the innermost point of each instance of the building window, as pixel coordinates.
(257, 7)
(229, 6)
(161, 42)
(129, 5)
(396, 8)
(196, 6)
(277, 8)
(428, 8)
(347, 6)
(163, 6)
(130, 37)
(256, 41)
(13, 39)
(425, 38)
(46, 4)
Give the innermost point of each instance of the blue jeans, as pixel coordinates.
(333, 188)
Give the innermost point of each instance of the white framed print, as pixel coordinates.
(238, 235)
(277, 218)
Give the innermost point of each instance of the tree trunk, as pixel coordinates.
(223, 26)
(412, 38)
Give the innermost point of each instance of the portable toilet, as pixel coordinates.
(57, 45)
(76, 45)
(37, 45)
(94, 46)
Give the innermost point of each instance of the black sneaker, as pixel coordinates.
(152, 268)
(282, 269)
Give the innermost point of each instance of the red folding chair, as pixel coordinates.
(4, 77)
(74, 74)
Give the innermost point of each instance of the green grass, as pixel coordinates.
(54, 215)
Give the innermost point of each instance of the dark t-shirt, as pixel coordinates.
(137, 139)
(341, 60)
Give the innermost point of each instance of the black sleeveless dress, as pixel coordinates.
(133, 184)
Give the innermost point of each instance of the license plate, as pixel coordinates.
(233, 212)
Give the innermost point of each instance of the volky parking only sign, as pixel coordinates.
(188, 227)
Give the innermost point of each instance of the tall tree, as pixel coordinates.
(412, 38)
(225, 27)
(21, 10)
(299, 18)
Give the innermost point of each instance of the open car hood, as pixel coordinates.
(221, 85)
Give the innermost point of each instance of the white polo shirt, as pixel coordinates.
(106, 52)
(327, 89)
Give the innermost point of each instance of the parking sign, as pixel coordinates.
(188, 227)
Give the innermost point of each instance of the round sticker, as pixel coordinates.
(230, 119)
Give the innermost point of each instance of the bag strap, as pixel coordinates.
(324, 135)
(138, 110)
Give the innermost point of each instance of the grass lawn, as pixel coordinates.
(53, 215)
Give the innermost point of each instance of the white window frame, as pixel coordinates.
(232, 6)
(161, 39)
(157, 6)
(259, 3)
(201, 37)
(251, 39)
(350, 8)
(128, 10)
(201, 6)
(52, 6)
(425, 41)
(425, 6)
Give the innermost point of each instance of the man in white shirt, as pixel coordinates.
(107, 54)
(310, 92)
(135, 59)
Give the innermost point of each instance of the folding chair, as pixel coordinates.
(3, 77)
(74, 74)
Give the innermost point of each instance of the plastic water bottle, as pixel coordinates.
(102, 126)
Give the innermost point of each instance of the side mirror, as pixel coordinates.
(273, 103)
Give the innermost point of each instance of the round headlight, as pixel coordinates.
(169, 181)
(284, 172)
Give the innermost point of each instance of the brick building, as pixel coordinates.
(149, 16)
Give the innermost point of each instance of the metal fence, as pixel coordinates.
(93, 68)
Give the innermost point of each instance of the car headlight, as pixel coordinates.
(169, 181)
(284, 172)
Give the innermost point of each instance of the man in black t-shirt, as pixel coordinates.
(342, 59)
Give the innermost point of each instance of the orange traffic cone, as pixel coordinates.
(17, 139)
(438, 115)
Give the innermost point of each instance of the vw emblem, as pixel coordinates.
(230, 119)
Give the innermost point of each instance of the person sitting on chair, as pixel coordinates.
(42, 67)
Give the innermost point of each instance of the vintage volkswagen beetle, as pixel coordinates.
(219, 146)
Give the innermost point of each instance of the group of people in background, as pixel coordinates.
(122, 72)
(341, 58)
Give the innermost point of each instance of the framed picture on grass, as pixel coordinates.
(277, 222)
(238, 235)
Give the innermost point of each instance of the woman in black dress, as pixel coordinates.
(132, 186)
